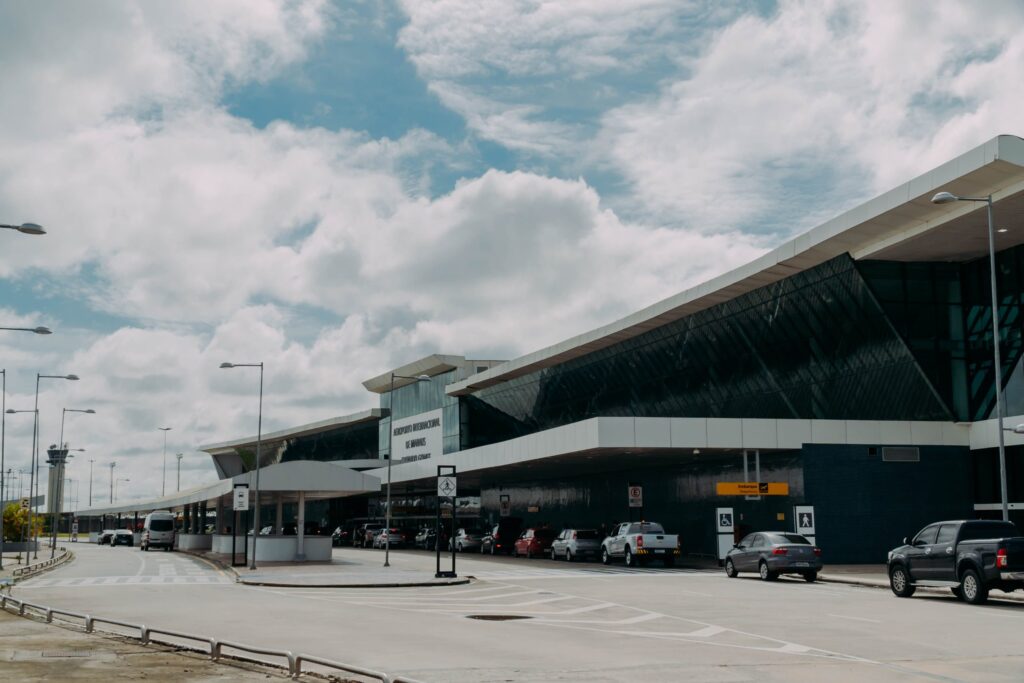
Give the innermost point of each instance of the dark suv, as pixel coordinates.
(502, 536)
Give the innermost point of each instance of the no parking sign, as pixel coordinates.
(636, 496)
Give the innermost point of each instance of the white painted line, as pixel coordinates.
(846, 616)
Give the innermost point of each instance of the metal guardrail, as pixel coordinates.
(39, 566)
(146, 633)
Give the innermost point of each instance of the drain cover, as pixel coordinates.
(496, 617)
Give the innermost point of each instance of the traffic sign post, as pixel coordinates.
(504, 505)
(239, 504)
(447, 487)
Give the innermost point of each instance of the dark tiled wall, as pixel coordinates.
(865, 506)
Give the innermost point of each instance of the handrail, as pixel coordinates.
(32, 568)
(146, 633)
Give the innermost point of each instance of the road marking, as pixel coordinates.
(846, 616)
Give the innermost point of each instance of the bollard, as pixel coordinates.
(144, 634)
(88, 624)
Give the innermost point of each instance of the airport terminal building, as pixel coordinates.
(849, 372)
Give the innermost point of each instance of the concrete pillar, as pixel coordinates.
(218, 525)
(186, 520)
(202, 517)
(279, 523)
(195, 518)
(300, 527)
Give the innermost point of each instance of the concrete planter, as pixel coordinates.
(194, 541)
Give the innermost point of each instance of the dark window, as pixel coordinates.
(646, 528)
(587, 534)
(901, 454)
(927, 536)
(947, 533)
(161, 525)
(789, 538)
(759, 541)
(983, 530)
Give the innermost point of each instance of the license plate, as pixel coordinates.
(801, 564)
(659, 552)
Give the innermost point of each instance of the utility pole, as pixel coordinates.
(112, 465)
(91, 461)
(179, 455)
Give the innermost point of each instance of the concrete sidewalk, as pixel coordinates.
(351, 572)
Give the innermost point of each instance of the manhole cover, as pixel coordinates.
(497, 617)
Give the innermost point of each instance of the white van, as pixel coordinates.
(158, 531)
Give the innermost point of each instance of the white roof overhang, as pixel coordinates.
(901, 224)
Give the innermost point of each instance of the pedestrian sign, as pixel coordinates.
(446, 487)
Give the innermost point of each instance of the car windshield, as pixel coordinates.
(161, 525)
(789, 538)
(646, 528)
(587, 534)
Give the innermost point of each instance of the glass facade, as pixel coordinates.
(421, 397)
(943, 312)
(817, 345)
(355, 442)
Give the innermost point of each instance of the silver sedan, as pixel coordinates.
(770, 553)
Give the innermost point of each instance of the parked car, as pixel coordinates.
(426, 538)
(340, 537)
(770, 553)
(636, 542)
(309, 529)
(502, 536)
(576, 544)
(534, 542)
(466, 538)
(391, 537)
(157, 531)
(363, 536)
(105, 536)
(122, 537)
(971, 557)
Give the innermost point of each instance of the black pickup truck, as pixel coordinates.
(970, 557)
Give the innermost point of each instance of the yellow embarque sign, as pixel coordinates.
(752, 488)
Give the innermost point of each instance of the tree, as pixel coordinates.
(16, 521)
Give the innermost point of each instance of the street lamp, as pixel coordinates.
(179, 456)
(33, 490)
(36, 330)
(948, 198)
(112, 466)
(163, 481)
(26, 228)
(91, 461)
(24, 530)
(116, 482)
(391, 453)
(259, 443)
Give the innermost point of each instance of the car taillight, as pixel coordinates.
(779, 551)
(639, 541)
(1001, 559)
(574, 535)
(817, 551)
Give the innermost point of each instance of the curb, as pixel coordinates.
(414, 584)
(49, 564)
(876, 583)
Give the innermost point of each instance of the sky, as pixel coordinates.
(338, 188)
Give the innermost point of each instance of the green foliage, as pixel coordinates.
(16, 521)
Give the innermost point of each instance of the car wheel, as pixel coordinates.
(553, 557)
(730, 569)
(974, 591)
(628, 558)
(568, 555)
(604, 556)
(459, 548)
(766, 574)
(811, 577)
(899, 582)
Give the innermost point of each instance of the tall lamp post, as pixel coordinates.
(163, 480)
(948, 198)
(91, 461)
(116, 482)
(179, 456)
(259, 444)
(391, 454)
(21, 479)
(112, 466)
(33, 489)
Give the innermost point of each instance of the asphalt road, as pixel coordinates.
(585, 622)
